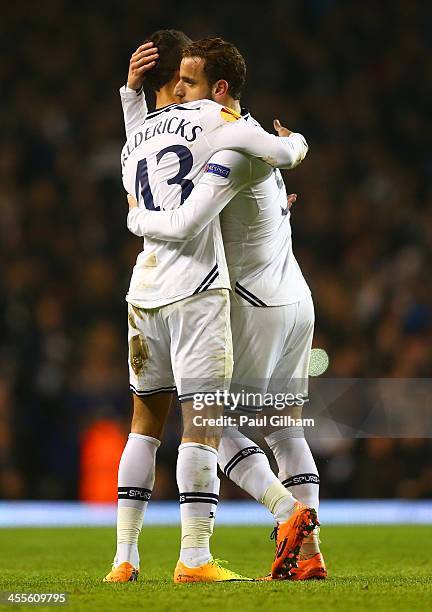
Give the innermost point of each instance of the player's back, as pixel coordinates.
(257, 237)
(160, 162)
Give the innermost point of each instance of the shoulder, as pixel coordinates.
(248, 117)
(201, 104)
(231, 159)
(231, 165)
(214, 115)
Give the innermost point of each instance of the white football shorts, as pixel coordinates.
(272, 348)
(185, 345)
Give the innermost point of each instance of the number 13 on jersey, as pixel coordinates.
(142, 185)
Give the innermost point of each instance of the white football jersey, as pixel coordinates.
(255, 225)
(257, 236)
(161, 162)
(256, 233)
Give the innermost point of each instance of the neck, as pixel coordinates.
(232, 104)
(164, 97)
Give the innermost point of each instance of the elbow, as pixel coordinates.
(305, 150)
(134, 228)
(133, 224)
(298, 151)
(135, 231)
(301, 150)
(296, 159)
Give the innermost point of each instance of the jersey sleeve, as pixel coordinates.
(227, 130)
(134, 107)
(226, 173)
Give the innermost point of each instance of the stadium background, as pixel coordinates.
(355, 80)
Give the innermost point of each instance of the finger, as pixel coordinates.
(149, 51)
(137, 70)
(137, 53)
(131, 201)
(143, 61)
(146, 45)
(143, 52)
(291, 199)
(277, 125)
(145, 68)
(137, 56)
(146, 60)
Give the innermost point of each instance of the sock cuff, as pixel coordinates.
(283, 434)
(300, 479)
(139, 494)
(244, 453)
(148, 439)
(185, 445)
(199, 497)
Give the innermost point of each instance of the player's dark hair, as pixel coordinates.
(223, 61)
(170, 44)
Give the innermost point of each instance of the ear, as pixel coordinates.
(174, 83)
(219, 89)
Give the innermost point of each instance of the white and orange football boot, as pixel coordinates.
(209, 572)
(125, 572)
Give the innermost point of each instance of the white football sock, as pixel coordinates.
(198, 486)
(135, 483)
(247, 465)
(298, 473)
(297, 468)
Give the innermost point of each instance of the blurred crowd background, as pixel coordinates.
(354, 77)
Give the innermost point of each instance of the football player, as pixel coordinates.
(179, 323)
(271, 311)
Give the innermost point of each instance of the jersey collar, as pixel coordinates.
(163, 109)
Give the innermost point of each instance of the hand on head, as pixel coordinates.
(142, 60)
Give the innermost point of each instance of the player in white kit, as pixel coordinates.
(271, 344)
(179, 329)
(272, 312)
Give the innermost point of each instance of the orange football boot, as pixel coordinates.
(308, 569)
(289, 537)
(209, 572)
(125, 572)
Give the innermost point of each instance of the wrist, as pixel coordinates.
(133, 88)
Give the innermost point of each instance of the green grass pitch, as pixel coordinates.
(370, 568)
